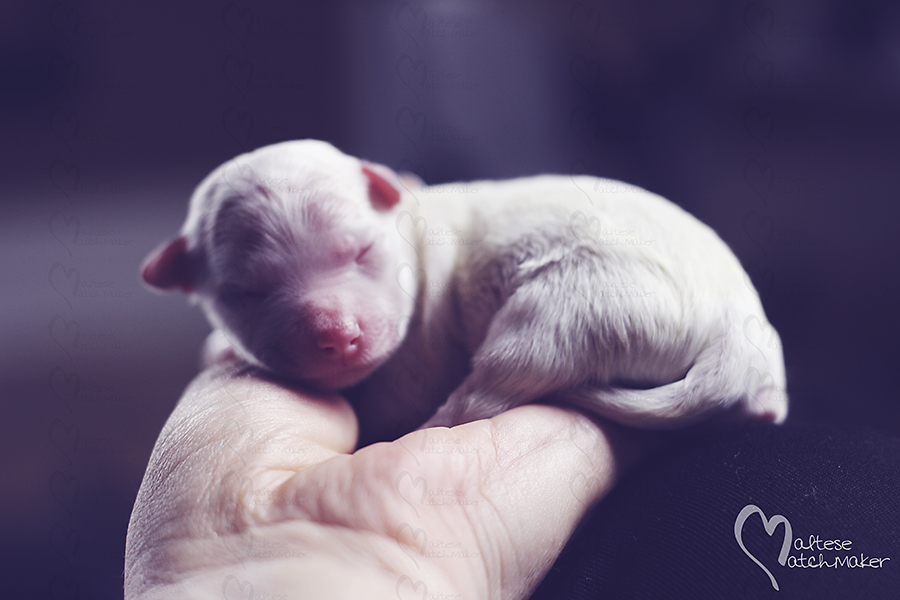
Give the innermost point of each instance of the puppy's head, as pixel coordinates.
(292, 252)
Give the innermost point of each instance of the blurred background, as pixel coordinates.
(778, 124)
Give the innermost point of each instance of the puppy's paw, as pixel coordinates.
(463, 408)
(217, 350)
(444, 417)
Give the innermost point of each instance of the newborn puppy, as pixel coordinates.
(476, 297)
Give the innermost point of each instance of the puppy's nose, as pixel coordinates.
(341, 339)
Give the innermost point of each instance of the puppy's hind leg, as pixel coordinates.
(540, 341)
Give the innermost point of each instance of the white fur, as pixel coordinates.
(569, 289)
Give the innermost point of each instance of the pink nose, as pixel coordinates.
(341, 339)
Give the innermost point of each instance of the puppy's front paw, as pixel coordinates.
(444, 417)
(217, 350)
(462, 408)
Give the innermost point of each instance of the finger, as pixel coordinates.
(548, 468)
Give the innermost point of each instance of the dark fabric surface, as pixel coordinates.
(668, 529)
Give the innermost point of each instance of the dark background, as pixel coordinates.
(778, 124)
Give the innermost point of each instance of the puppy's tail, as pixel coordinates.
(735, 374)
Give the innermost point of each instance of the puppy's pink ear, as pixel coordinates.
(384, 186)
(169, 267)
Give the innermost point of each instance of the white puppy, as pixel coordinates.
(480, 296)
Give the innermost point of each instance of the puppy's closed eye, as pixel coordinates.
(364, 252)
(238, 296)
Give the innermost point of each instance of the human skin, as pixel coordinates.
(255, 489)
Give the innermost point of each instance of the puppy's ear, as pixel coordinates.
(169, 267)
(384, 186)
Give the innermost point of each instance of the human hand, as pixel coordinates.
(254, 491)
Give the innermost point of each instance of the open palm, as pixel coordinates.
(254, 491)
